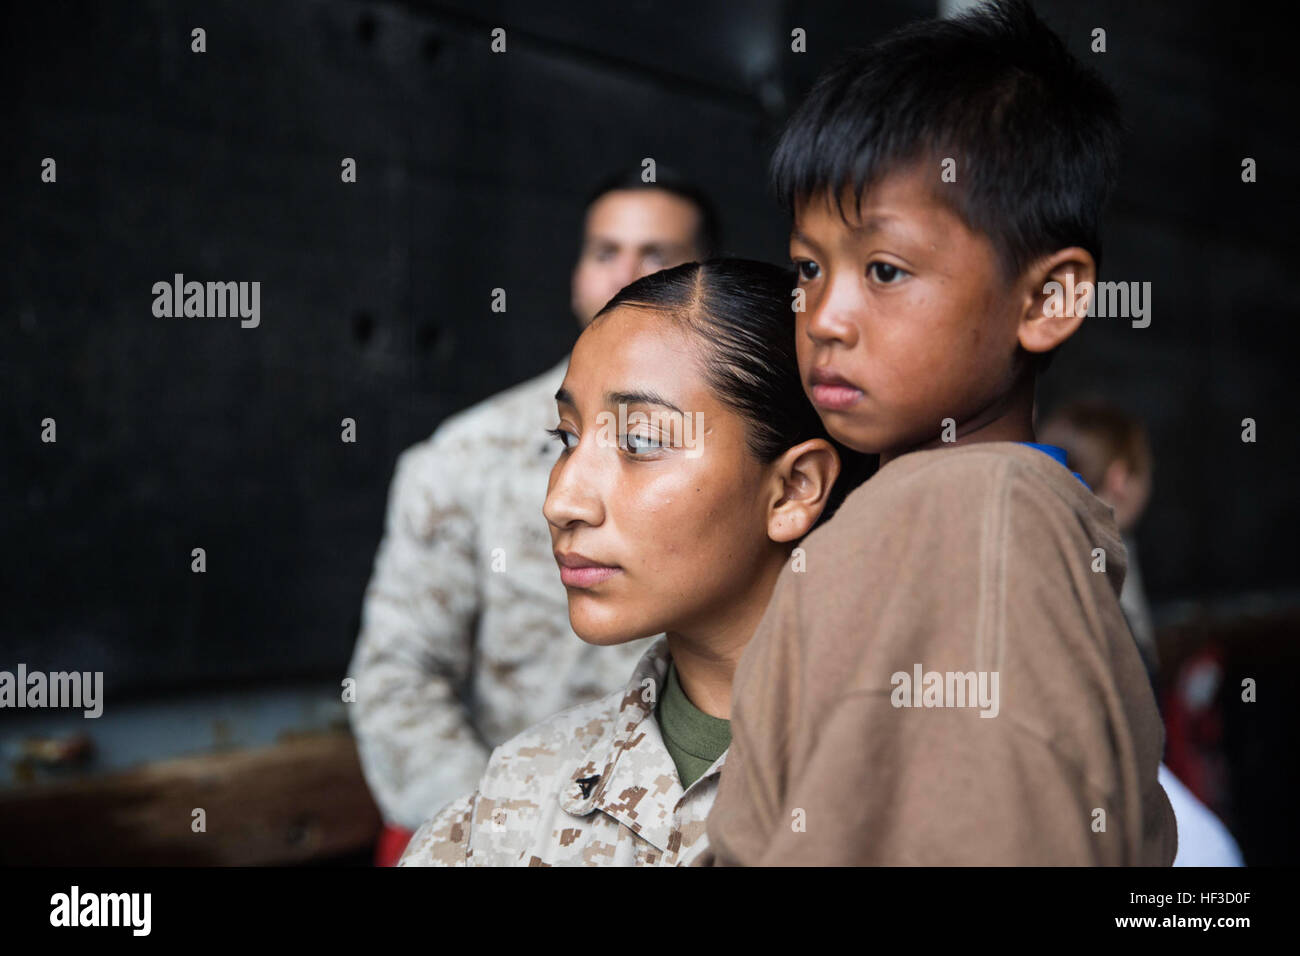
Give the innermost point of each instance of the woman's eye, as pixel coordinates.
(807, 269)
(635, 444)
(885, 272)
(560, 435)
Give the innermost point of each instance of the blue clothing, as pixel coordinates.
(1058, 453)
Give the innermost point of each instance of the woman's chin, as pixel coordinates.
(605, 640)
(605, 632)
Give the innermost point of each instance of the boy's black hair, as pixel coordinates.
(1035, 134)
(709, 238)
(740, 311)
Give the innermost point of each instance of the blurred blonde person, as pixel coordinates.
(1110, 451)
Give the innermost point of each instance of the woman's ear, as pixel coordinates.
(1058, 292)
(802, 480)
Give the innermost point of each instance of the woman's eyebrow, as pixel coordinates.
(640, 398)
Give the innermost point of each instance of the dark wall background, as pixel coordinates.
(183, 433)
(1203, 86)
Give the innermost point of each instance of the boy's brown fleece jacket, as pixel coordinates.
(975, 558)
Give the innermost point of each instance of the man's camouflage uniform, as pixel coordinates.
(466, 602)
(593, 786)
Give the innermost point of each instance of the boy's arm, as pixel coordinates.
(417, 744)
(941, 787)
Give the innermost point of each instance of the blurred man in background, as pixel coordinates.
(465, 638)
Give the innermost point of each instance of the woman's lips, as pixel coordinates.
(586, 577)
(578, 571)
(835, 397)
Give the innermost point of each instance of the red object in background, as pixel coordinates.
(1194, 727)
(392, 841)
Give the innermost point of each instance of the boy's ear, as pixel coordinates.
(803, 477)
(1058, 292)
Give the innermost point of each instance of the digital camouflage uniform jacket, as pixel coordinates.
(465, 638)
(593, 786)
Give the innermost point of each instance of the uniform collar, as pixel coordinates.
(628, 773)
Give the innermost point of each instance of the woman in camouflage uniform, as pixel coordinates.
(691, 465)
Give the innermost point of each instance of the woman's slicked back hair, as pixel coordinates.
(741, 311)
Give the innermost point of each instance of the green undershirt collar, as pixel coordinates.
(694, 739)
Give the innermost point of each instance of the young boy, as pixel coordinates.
(948, 677)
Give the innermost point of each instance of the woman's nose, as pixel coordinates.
(572, 497)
